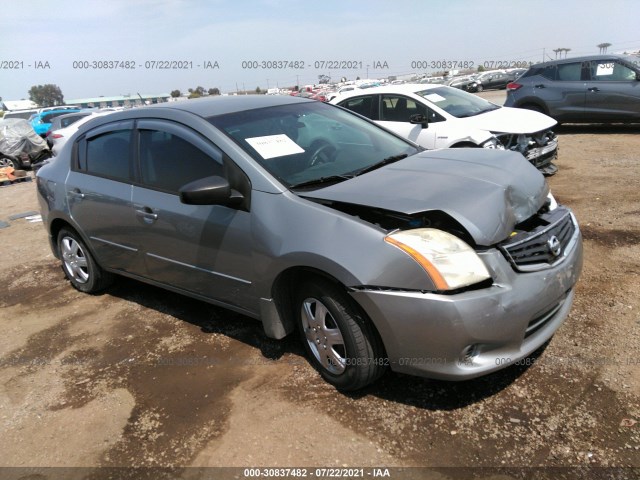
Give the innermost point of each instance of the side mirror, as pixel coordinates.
(210, 191)
(419, 119)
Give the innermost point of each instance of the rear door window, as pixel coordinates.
(108, 155)
(570, 72)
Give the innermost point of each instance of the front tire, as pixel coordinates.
(78, 264)
(340, 342)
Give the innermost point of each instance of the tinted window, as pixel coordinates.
(109, 155)
(569, 72)
(396, 108)
(168, 162)
(50, 116)
(362, 105)
(65, 122)
(549, 72)
(608, 70)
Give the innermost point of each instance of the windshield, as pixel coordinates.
(456, 102)
(302, 143)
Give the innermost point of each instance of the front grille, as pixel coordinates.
(544, 246)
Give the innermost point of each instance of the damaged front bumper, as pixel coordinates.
(539, 148)
(473, 333)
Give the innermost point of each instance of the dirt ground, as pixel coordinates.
(138, 376)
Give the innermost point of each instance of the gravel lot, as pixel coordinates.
(138, 376)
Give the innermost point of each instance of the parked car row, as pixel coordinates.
(498, 79)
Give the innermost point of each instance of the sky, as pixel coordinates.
(42, 41)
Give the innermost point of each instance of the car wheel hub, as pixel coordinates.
(323, 336)
(75, 262)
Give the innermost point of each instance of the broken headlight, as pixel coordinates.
(449, 262)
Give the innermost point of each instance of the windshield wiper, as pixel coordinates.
(383, 162)
(321, 180)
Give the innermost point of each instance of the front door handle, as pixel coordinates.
(147, 214)
(593, 89)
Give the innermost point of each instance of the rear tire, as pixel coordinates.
(340, 342)
(78, 264)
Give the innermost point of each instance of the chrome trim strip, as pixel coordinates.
(176, 262)
(113, 244)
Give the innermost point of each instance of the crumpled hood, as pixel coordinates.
(487, 191)
(510, 120)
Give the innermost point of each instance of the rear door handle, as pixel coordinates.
(539, 86)
(76, 193)
(593, 89)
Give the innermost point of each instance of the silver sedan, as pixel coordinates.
(309, 218)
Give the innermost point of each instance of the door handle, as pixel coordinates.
(593, 89)
(146, 213)
(539, 86)
(76, 193)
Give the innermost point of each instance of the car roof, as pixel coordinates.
(220, 105)
(202, 108)
(586, 58)
(404, 88)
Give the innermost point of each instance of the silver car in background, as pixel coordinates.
(448, 264)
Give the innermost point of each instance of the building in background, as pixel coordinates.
(119, 101)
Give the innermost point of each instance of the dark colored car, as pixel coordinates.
(484, 81)
(461, 82)
(308, 217)
(598, 88)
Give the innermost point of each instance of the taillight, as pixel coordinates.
(57, 135)
(512, 86)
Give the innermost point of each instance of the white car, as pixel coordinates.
(437, 116)
(59, 137)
